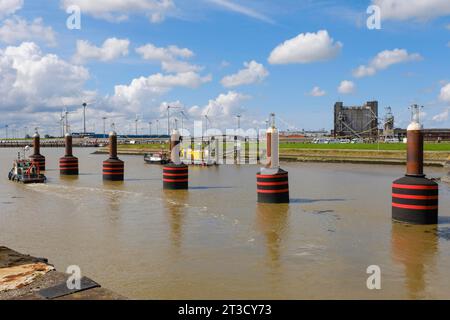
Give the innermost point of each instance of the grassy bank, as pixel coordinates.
(364, 146)
(302, 146)
(395, 153)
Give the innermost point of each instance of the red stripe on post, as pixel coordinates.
(272, 183)
(416, 197)
(273, 191)
(172, 180)
(112, 173)
(175, 169)
(176, 174)
(271, 176)
(413, 207)
(413, 187)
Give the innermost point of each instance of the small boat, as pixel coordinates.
(26, 171)
(156, 158)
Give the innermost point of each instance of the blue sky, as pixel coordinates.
(405, 62)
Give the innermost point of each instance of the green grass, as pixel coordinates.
(151, 146)
(363, 146)
(356, 146)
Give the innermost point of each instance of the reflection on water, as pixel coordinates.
(175, 206)
(214, 241)
(271, 221)
(415, 247)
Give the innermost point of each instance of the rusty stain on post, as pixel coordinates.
(415, 152)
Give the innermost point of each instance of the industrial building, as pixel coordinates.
(356, 121)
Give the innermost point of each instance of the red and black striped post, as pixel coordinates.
(272, 182)
(113, 168)
(68, 165)
(176, 173)
(273, 188)
(36, 157)
(415, 199)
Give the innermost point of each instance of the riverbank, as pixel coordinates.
(23, 277)
(302, 154)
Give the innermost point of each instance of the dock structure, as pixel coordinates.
(36, 157)
(415, 199)
(113, 167)
(176, 173)
(23, 277)
(68, 165)
(272, 181)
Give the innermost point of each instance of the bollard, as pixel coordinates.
(113, 168)
(68, 165)
(36, 157)
(415, 199)
(176, 173)
(272, 181)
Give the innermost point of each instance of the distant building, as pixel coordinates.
(431, 135)
(356, 121)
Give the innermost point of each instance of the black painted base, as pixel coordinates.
(113, 170)
(40, 160)
(175, 177)
(68, 166)
(415, 200)
(273, 188)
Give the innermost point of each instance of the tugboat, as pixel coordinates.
(26, 171)
(156, 158)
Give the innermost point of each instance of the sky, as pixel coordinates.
(130, 59)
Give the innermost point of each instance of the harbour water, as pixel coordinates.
(215, 242)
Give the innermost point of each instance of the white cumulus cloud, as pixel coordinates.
(306, 48)
(120, 10)
(111, 49)
(346, 87)
(33, 81)
(8, 7)
(317, 92)
(252, 73)
(412, 9)
(16, 29)
(445, 93)
(443, 116)
(141, 91)
(171, 57)
(384, 60)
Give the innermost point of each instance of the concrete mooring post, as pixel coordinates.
(272, 181)
(414, 197)
(36, 157)
(113, 168)
(68, 165)
(176, 173)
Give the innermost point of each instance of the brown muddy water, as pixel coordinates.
(215, 242)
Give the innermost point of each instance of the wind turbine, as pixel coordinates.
(207, 120)
(85, 104)
(184, 116)
(136, 123)
(104, 126)
(168, 117)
